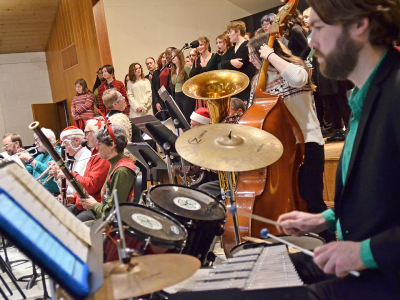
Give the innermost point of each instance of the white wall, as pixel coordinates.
(138, 29)
(24, 80)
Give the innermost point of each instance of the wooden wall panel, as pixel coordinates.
(74, 24)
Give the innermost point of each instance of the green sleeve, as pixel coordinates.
(123, 180)
(366, 255)
(329, 216)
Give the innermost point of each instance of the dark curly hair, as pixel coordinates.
(383, 16)
(295, 19)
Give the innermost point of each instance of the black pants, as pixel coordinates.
(311, 180)
(186, 105)
(82, 215)
(370, 285)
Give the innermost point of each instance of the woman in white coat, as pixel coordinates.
(139, 92)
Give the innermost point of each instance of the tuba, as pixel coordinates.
(216, 88)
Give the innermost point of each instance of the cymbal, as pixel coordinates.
(229, 147)
(144, 275)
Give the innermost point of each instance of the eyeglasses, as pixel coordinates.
(252, 55)
(7, 145)
(120, 98)
(37, 141)
(87, 132)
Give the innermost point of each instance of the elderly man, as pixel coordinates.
(12, 143)
(36, 166)
(112, 140)
(72, 138)
(94, 174)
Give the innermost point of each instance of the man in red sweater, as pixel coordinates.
(109, 83)
(95, 174)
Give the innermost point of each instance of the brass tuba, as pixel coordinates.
(216, 88)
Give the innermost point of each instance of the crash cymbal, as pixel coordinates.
(229, 147)
(144, 275)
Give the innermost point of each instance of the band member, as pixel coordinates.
(111, 141)
(95, 173)
(12, 143)
(236, 110)
(112, 100)
(109, 83)
(289, 77)
(353, 39)
(72, 138)
(37, 165)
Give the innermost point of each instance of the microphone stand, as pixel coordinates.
(168, 64)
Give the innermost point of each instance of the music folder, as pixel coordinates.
(145, 154)
(46, 232)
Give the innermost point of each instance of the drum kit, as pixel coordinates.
(179, 224)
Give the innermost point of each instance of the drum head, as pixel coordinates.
(187, 202)
(146, 222)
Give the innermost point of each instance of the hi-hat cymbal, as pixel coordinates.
(144, 275)
(229, 147)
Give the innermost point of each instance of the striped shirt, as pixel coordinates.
(120, 88)
(82, 107)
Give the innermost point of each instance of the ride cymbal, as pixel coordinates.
(229, 147)
(144, 275)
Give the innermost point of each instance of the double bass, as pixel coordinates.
(273, 190)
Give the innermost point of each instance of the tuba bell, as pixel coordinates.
(216, 88)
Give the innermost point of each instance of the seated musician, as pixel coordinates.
(37, 165)
(236, 111)
(200, 117)
(111, 141)
(94, 176)
(354, 39)
(12, 143)
(112, 101)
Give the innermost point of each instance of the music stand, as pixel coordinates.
(176, 115)
(149, 158)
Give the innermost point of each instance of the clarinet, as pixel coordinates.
(59, 161)
(63, 181)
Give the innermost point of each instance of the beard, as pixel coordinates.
(340, 63)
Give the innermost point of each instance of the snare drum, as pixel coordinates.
(146, 231)
(202, 215)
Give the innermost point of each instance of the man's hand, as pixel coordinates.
(139, 109)
(237, 63)
(158, 106)
(298, 223)
(88, 202)
(24, 156)
(339, 258)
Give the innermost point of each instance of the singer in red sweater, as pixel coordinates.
(109, 83)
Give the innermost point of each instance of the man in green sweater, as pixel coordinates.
(111, 143)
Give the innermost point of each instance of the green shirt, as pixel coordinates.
(356, 103)
(123, 180)
(178, 84)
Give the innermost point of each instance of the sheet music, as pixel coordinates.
(45, 208)
(14, 158)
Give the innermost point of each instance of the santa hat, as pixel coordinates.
(201, 115)
(71, 130)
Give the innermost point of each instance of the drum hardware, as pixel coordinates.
(228, 148)
(123, 255)
(146, 231)
(202, 215)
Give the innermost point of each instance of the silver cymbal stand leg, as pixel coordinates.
(183, 163)
(121, 248)
(166, 147)
(231, 194)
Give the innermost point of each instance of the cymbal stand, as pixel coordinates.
(45, 293)
(8, 262)
(176, 123)
(232, 199)
(167, 147)
(122, 250)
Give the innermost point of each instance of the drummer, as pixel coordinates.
(111, 142)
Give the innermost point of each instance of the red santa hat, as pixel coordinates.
(201, 115)
(71, 130)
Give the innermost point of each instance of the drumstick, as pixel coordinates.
(265, 233)
(265, 220)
